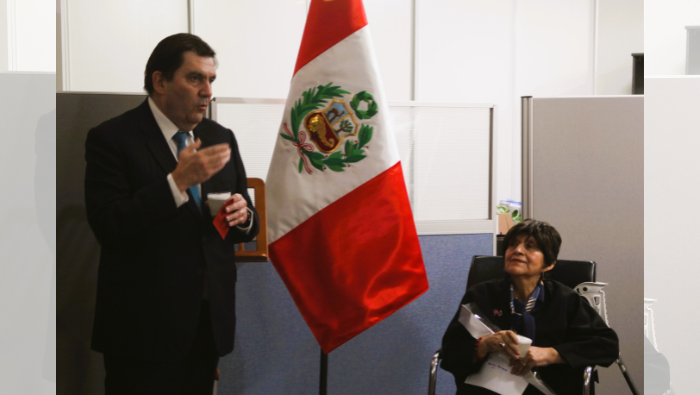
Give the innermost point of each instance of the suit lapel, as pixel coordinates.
(207, 141)
(155, 141)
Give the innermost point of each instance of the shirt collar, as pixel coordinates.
(166, 125)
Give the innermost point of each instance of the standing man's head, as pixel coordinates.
(178, 78)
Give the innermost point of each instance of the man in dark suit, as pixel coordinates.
(165, 309)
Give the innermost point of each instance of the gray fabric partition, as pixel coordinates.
(587, 179)
(275, 352)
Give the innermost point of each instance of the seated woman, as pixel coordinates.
(567, 333)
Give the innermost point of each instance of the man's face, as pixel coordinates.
(187, 96)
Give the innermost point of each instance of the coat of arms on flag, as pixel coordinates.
(329, 127)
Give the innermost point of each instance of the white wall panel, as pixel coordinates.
(109, 42)
(555, 48)
(620, 33)
(256, 44)
(255, 126)
(671, 188)
(478, 51)
(391, 26)
(665, 34)
(33, 28)
(465, 54)
(554, 57)
(452, 164)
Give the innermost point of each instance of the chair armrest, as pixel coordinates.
(587, 380)
(434, 362)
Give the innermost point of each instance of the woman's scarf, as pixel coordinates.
(521, 319)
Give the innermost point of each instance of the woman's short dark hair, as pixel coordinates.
(547, 237)
(167, 56)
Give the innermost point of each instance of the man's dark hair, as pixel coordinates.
(167, 56)
(547, 238)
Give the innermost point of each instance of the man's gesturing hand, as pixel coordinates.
(236, 209)
(196, 167)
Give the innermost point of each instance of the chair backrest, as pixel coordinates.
(260, 254)
(569, 273)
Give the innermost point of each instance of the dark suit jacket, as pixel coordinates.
(565, 322)
(154, 255)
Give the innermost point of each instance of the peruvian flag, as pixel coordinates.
(341, 231)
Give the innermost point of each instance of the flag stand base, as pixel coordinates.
(323, 382)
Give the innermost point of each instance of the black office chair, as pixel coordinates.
(485, 268)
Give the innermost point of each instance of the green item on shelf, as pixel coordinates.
(517, 218)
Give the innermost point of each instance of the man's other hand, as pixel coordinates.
(194, 167)
(237, 209)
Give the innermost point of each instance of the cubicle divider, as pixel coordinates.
(275, 352)
(583, 171)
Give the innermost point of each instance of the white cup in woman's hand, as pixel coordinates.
(524, 344)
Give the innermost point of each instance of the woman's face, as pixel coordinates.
(524, 258)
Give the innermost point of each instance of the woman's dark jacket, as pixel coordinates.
(565, 322)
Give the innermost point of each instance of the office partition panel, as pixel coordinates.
(583, 172)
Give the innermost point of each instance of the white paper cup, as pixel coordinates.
(216, 201)
(523, 345)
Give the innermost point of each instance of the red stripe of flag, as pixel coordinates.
(328, 23)
(355, 262)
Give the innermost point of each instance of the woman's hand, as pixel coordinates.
(536, 356)
(504, 341)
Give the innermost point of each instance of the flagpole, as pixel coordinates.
(323, 386)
